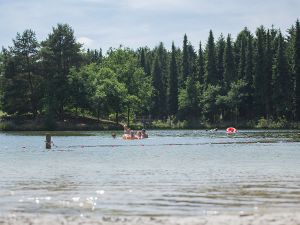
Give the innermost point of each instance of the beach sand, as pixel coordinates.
(242, 219)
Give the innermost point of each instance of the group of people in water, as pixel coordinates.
(130, 134)
(141, 134)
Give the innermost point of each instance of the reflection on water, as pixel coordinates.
(171, 173)
(59, 184)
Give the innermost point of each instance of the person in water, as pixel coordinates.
(127, 130)
(144, 134)
(139, 134)
(113, 134)
(132, 135)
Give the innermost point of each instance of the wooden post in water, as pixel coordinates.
(48, 141)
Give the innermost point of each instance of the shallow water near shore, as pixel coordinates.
(179, 173)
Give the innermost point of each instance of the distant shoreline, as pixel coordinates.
(86, 124)
(66, 124)
(70, 122)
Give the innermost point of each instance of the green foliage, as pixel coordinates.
(267, 90)
(297, 70)
(144, 61)
(189, 99)
(280, 123)
(242, 80)
(185, 61)
(259, 71)
(211, 67)
(229, 65)
(60, 52)
(21, 75)
(236, 94)
(158, 99)
(113, 86)
(1, 80)
(139, 88)
(220, 58)
(247, 108)
(234, 98)
(92, 56)
(208, 101)
(282, 88)
(109, 91)
(201, 65)
(262, 123)
(170, 123)
(173, 84)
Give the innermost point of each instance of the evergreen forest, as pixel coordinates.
(235, 80)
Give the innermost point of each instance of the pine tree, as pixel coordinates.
(100, 55)
(189, 103)
(60, 52)
(211, 68)
(147, 62)
(23, 81)
(249, 78)
(201, 64)
(144, 61)
(15, 96)
(242, 61)
(297, 70)
(220, 59)
(240, 48)
(259, 71)
(164, 63)
(281, 82)
(158, 99)
(249, 61)
(267, 90)
(185, 61)
(192, 58)
(173, 83)
(229, 65)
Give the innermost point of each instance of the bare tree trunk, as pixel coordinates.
(128, 119)
(117, 117)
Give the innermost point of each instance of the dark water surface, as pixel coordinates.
(182, 172)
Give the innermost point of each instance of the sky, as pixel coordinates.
(136, 23)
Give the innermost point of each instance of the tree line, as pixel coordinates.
(254, 76)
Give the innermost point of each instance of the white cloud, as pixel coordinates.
(155, 4)
(134, 23)
(87, 42)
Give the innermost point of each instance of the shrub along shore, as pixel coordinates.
(77, 123)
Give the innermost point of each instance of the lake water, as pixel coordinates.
(184, 173)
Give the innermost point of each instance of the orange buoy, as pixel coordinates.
(231, 130)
